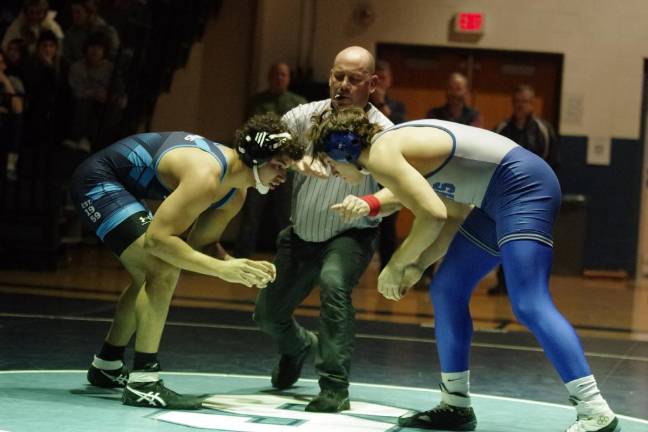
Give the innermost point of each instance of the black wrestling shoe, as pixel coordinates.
(330, 401)
(156, 395)
(287, 371)
(443, 417)
(107, 378)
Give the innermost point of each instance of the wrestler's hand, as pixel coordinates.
(313, 167)
(411, 276)
(351, 208)
(390, 281)
(248, 272)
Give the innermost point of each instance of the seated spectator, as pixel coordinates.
(86, 21)
(47, 107)
(11, 110)
(97, 99)
(16, 57)
(34, 18)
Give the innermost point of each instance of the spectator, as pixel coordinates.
(11, 112)
(47, 102)
(34, 18)
(96, 102)
(16, 58)
(456, 108)
(86, 21)
(394, 110)
(533, 134)
(279, 100)
(527, 130)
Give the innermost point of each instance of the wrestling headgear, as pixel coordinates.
(261, 147)
(343, 146)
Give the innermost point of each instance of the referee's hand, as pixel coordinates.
(313, 167)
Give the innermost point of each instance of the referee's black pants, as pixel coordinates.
(336, 265)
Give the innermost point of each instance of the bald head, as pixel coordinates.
(352, 77)
(357, 55)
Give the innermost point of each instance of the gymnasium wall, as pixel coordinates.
(208, 96)
(603, 46)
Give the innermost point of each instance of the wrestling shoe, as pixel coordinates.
(330, 401)
(443, 417)
(107, 378)
(593, 416)
(287, 371)
(155, 395)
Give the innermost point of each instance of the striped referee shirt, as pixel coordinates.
(312, 197)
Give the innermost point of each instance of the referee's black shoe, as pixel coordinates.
(287, 371)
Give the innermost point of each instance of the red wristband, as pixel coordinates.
(374, 204)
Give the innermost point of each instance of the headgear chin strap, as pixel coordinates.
(260, 187)
(343, 146)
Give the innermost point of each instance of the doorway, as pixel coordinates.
(421, 73)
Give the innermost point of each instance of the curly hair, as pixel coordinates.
(250, 151)
(352, 119)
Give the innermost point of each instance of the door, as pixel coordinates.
(421, 73)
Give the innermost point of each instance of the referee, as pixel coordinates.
(319, 248)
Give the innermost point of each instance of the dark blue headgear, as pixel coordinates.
(343, 146)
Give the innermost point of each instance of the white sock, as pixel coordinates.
(584, 389)
(456, 382)
(107, 364)
(143, 377)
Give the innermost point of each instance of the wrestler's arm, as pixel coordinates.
(409, 187)
(457, 213)
(197, 188)
(206, 233)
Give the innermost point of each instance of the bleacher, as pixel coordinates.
(156, 38)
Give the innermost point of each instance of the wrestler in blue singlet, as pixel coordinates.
(516, 197)
(109, 186)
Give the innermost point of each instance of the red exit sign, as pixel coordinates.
(469, 22)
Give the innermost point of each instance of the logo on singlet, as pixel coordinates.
(445, 189)
(145, 220)
(192, 137)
